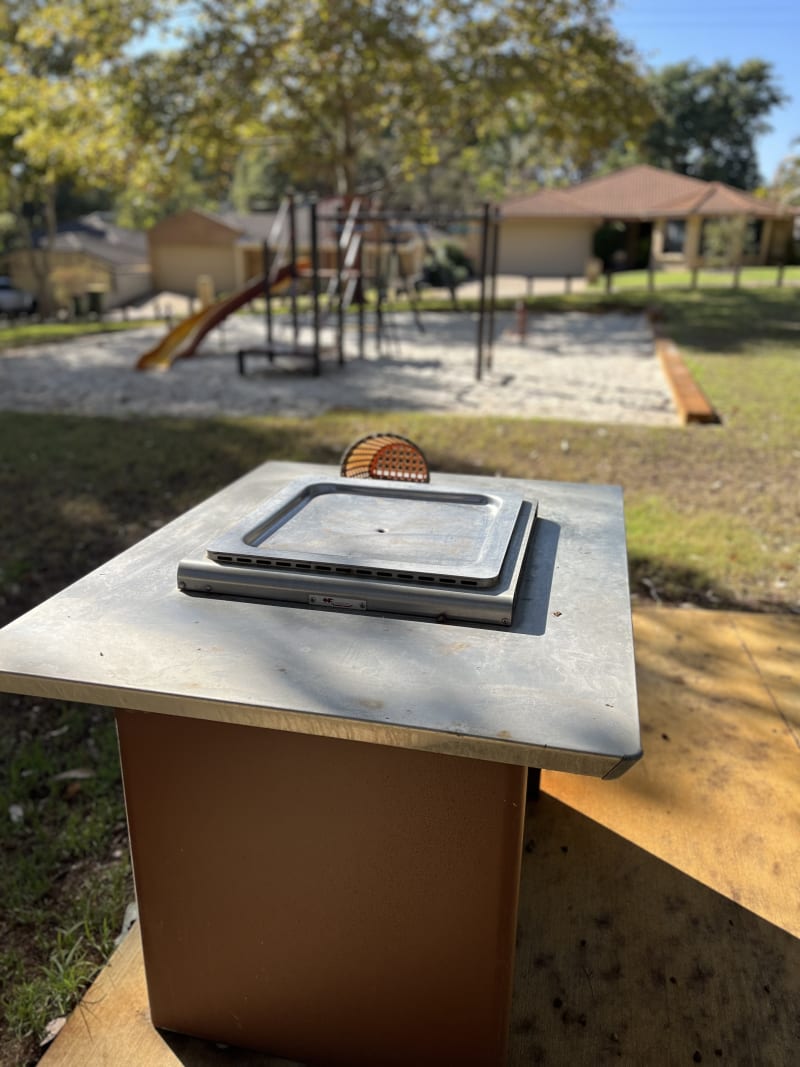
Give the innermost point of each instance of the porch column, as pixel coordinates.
(657, 242)
(691, 243)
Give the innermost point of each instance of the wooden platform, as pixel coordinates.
(659, 914)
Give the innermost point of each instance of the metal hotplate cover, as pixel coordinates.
(340, 526)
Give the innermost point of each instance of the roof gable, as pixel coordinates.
(640, 192)
(193, 227)
(549, 203)
(720, 199)
(637, 189)
(96, 236)
(252, 225)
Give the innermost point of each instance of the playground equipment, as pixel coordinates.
(182, 341)
(356, 252)
(344, 282)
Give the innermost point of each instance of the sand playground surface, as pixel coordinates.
(576, 366)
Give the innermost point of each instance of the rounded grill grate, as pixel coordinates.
(385, 456)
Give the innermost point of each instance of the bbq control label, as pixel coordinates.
(340, 602)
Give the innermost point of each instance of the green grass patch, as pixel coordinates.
(20, 334)
(64, 871)
(705, 561)
(706, 279)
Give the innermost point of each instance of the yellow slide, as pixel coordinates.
(182, 341)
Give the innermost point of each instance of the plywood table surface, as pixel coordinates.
(671, 895)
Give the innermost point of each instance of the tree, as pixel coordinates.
(61, 107)
(361, 95)
(709, 118)
(786, 184)
(184, 133)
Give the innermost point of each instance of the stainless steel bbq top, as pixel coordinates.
(555, 689)
(434, 551)
(379, 530)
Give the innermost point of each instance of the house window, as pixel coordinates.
(752, 237)
(724, 239)
(674, 235)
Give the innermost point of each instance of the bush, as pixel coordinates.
(447, 266)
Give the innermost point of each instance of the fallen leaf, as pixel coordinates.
(131, 916)
(52, 1030)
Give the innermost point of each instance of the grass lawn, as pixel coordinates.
(706, 279)
(17, 334)
(712, 514)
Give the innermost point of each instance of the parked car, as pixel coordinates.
(15, 301)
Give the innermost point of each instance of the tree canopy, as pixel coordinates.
(709, 119)
(62, 107)
(786, 184)
(434, 103)
(61, 112)
(371, 95)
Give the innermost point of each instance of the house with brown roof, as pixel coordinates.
(226, 247)
(89, 255)
(637, 217)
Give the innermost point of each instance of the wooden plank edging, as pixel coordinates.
(690, 400)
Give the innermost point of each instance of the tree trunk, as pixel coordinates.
(40, 257)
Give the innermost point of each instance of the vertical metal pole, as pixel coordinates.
(293, 253)
(361, 288)
(267, 293)
(493, 286)
(315, 281)
(482, 305)
(340, 283)
(379, 287)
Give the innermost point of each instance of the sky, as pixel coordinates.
(670, 31)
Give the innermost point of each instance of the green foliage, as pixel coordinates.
(786, 186)
(608, 239)
(427, 103)
(722, 239)
(39, 333)
(447, 266)
(629, 281)
(62, 109)
(709, 118)
(349, 96)
(260, 181)
(69, 961)
(64, 873)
